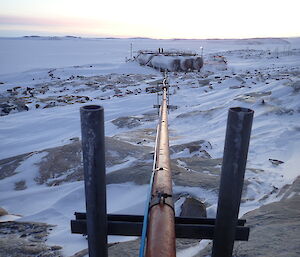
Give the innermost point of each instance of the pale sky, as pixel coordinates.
(155, 18)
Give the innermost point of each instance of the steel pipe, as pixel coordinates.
(161, 232)
(93, 149)
(146, 211)
(237, 139)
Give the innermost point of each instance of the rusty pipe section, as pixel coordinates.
(161, 230)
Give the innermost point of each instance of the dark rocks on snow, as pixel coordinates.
(274, 228)
(139, 174)
(3, 212)
(276, 162)
(131, 248)
(108, 87)
(153, 89)
(127, 122)
(198, 178)
(20, 185)
(25, 239)
(9, 165)
(296, 86)
(196, 146)
(193, 208)
(12, 104)
(236, 87)
(6, 108)
(64, 163)
(203, 113)
(133, 121)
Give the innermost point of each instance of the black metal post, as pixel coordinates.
(237, 139)
(92, 131)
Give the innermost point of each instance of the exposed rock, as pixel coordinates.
(274, 228)
(199, 147)
(193, 208)
(12, 104)
(238, 78)
(133, 121)
(275, 162)
(201, 165)
(236, 87)
(64, 163)
(124, 249)
(150, 116)
(82, 253)
(155, 82)
(25, 239)
(182, 177)
(8, 165)
(3, 212)
(259, 94)
(64, 91)
(204, 82)
(252, 97)
(117, 151)
(296, 86)
(205, 113)
(5, 108)
(50, 105)
(131, 248)
(141, 135)
(61, 164)
(199, 172)
(20, 185)
(153, 89)
(283, 110)
(127, 122)
(140, 174)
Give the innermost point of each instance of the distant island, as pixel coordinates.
(51, 37)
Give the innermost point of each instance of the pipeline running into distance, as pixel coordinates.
(160, 210)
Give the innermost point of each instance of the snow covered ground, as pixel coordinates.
(48, 80)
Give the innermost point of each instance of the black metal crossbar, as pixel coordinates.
(139, 218)
(131, 225)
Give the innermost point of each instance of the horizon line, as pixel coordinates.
(139, 37)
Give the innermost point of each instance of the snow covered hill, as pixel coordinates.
(43, 83)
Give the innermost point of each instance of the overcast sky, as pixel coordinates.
(155, 18)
